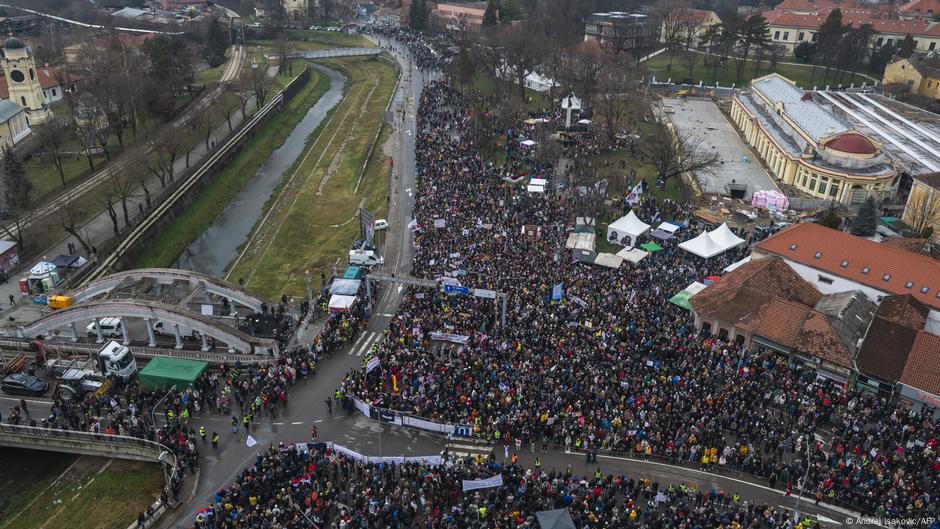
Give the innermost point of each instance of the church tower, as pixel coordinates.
(22, 81)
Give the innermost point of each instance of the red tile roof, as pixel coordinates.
(921, 7)
(855, 17)
(818, 338)
(923, 365)
(852, 143)
(890, 338)
(899, 266)
(812, 5)
(743, 291)
(47, 79)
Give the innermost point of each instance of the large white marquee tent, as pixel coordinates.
(628, 227)
(711, 243)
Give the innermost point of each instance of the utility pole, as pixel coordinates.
(799, 496)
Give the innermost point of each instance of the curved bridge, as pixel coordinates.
(148, 310)
(211, 285)
(95, 444)
(335, 52)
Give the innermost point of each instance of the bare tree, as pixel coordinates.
(106, 197)
(227, 105)
(522, 53)
(52, 135)
(136, 170)
(69, 215)
(676, 153)
(672, 14)
(123, 186)
(923, 212)
(259, 85)
(164, 149)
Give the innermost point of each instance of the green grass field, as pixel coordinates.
(725, 74)
(91, 493)
(313, 220)
(166, 249)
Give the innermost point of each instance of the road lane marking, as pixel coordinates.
(318, 421)
(297, 422)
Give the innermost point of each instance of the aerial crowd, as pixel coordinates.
(606, 366)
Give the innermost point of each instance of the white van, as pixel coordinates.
(109, 327)
(167, 329)
(365, 258)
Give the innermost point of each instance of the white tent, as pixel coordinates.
(580, 241)
(633, 255)
(734, 266)
(609, 260)
(668, 227)
(629, 227)
(711, 243)
(340, 303)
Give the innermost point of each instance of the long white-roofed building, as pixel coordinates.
(807, 146)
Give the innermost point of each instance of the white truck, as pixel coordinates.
(166, 329)
(365, 258)
(80, 377)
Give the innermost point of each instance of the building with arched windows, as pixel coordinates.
(805, 145)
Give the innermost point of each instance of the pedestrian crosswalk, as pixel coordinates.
(465, 447)
(363, 343)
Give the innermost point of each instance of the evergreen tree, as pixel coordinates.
(805, 52)
(907, 47)
(16, 187)
(216, 43)
(867, 219)
(831, 33)
(489, 16)
(831, 219)
(418, 14)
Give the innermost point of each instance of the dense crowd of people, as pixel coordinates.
(611, 365)
(299, 486)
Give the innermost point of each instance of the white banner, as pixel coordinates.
(362, 406)
(425, 460)
(372, 364)
(398, 460)
(450, 337)
(484, 293)
(488, 483)
(348, 453)
(426, 425)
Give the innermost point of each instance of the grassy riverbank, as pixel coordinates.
(313, 220)
(184, 229)
(71, 492)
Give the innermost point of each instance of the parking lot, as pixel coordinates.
(701, 118)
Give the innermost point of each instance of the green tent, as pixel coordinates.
(651, 247)
(164, 372)
(682, 298)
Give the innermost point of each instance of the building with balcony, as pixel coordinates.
(805, 145)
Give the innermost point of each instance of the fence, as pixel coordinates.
(352, 454)
(403, 419)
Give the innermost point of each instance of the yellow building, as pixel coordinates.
(922, 209)
(22, 81)
(806, 146)
(13, 126)
(920, 73)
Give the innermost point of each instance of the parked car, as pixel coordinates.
(381, 224)
(20, 384)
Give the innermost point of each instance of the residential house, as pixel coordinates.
(458, 17)
(888, 343)
(920, 381)
(922, 209)
(925, 9)
(794, 21)
(766, 305)
(686, 25)
(921, 74)
(834, 261)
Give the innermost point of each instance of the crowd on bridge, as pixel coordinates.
(299, 486)
(611, 365)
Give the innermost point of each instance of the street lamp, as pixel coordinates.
(153, 420)
(799, 497)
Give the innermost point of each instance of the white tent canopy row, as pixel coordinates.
(628, 227)
(711, 243)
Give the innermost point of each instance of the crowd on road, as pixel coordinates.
(299, 486)
(611, 365)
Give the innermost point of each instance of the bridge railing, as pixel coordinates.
(120, 446)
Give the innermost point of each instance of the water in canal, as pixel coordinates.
(218, 245)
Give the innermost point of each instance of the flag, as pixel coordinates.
(250, 441)
(634, 195)
(557, 291)
(372, 364)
